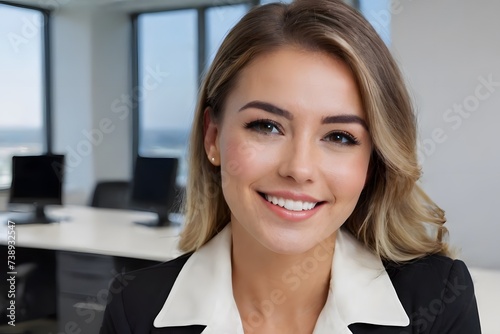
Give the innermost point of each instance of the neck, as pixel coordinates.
(280, 288)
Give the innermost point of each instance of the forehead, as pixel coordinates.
(298, 80)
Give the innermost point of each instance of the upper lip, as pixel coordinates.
(294, 196)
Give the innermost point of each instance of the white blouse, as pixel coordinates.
(360, 291)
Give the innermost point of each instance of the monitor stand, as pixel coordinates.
(37, 216)
(161, 220)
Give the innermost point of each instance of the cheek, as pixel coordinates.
(346, 175)
(241, 158)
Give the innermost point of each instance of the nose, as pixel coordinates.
(298, 162)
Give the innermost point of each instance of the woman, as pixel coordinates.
(303, 213)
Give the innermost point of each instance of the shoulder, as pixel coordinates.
(135, 298)
(436, 292)
(152, 278)
(432, 265)
(427, 273)
(141, 286)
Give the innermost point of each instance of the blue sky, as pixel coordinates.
(20, 67)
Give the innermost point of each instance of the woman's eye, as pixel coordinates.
(342, 138)
(263, 126)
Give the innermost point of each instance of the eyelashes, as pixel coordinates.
(264, 126)
(342, 137)
(270, 127)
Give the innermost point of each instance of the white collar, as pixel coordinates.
(360, 291)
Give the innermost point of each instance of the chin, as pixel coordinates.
(289, 244)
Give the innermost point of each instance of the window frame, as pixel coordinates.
(201, 54)
(46, 84)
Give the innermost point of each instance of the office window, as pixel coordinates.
(22, 85)
(166, 45)
(219, 20)
(173, 52)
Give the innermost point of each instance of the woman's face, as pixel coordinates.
(293, 148)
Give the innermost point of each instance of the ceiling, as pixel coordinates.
(123, 5)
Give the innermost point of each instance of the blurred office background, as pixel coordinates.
(448, 50)
(103, 81)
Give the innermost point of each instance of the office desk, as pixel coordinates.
(91, 246)
(99, 231)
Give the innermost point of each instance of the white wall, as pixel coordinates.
(111, 82)
(91, 57)
(448, 49)
(72, 99)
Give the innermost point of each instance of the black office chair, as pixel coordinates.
(111, 195)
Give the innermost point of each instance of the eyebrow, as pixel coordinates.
(269, 108)
(345, 118)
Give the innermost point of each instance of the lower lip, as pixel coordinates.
(289, 215)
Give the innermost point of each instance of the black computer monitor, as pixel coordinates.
(36, 180)
(153, 188)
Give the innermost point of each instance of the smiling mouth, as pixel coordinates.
(290, 204)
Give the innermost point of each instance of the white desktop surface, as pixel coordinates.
(99, 231)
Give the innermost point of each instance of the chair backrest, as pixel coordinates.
(111, 195)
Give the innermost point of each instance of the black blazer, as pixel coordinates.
(436, 292)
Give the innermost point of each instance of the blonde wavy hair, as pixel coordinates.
(393, 217)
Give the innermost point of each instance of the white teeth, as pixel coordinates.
(290, 204)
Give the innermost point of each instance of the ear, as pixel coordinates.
(211, 131)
